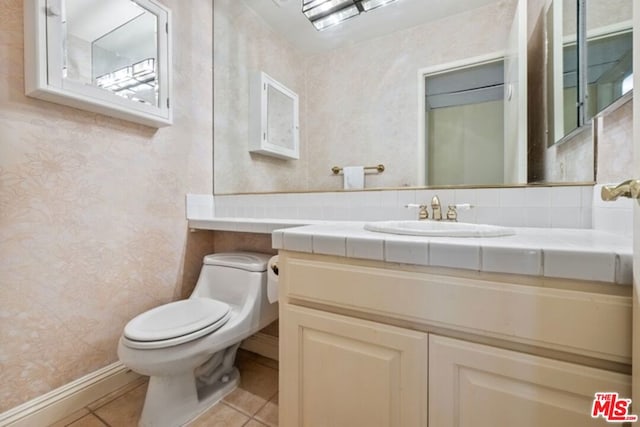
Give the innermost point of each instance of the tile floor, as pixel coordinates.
(253, 404)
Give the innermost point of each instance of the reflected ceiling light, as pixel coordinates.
(128, 80)
(327, 13)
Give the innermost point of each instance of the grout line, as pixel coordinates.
(261, 407)
(237, 408)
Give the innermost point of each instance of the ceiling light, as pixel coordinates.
(327, 13)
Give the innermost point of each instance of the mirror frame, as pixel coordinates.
(43, 58)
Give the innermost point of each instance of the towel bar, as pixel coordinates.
(380, 168)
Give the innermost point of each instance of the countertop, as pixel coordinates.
(582, 254)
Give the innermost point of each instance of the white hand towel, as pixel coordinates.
(353, 177)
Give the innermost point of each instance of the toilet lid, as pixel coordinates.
(178, 319)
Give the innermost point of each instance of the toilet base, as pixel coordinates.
(174, 401)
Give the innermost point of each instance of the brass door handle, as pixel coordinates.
(629, 188)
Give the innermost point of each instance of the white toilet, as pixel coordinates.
(188, 347)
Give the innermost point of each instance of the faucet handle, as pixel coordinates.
(452, 213)
(463, 206)
(423, 214)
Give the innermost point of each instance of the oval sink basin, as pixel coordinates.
(439, 229)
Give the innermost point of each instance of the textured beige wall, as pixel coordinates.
(243, 43)
(92, 227)
(615, 145)
(573, 160)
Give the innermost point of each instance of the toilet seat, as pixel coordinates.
(176, 323)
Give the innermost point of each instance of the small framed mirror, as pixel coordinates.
(274, 127)
(109, 57)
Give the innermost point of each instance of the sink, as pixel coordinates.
(439, 229)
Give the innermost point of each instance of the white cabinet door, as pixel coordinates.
(473, 385)
(338, 371)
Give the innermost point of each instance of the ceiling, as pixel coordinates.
(286, 18)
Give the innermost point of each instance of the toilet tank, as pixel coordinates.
(230, 276)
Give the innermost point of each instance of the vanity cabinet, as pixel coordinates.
(344, 371)
(473, 385)
(383, 344)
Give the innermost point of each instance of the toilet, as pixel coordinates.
(188, 347)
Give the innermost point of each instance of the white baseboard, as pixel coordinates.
(65, 400)
(262, 344)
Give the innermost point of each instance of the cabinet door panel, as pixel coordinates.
(472, 385)
(340, 371)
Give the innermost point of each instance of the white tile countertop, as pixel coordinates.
(584, 254)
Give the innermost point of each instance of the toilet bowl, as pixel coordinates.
(188, 347)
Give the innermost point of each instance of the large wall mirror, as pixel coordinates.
(108, 57)
(373, 91)
(589, 62)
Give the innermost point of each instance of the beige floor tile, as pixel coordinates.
(220, 415)
(254, 423)
(88, 421)
(269, 413)
(70, 418)
(117, 393)
(258, 384)
(125, 410)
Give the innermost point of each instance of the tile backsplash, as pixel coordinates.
(556, 207)
(615, 217)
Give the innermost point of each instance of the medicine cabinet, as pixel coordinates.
(110, 57)
(589, 58)
(274, 127)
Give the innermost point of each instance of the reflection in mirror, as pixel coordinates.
(465, 125)
(609, 52)
(116, 50)
(280, 118)
(362, 100)
(562, 69)
(585, 73)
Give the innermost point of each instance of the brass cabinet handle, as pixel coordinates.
(629, 188)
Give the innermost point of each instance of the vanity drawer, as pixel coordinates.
(586, 323)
